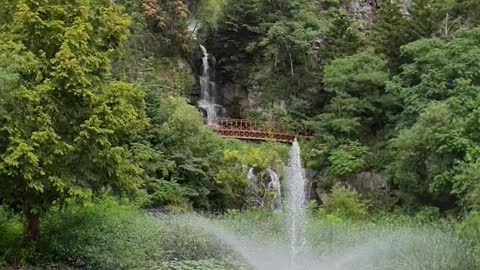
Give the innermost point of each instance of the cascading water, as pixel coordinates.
(295, 202)
(252, 177)
(370, 247)
(296, 218)
(275, 186)
(208, 89)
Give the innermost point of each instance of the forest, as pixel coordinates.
(108, 155)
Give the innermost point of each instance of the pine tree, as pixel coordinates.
(389, 32)
(343, 37)
(469, 10)
(428, 17)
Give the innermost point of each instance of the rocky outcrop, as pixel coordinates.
(370, 185)
(364, 10)
(236, 100)
(365, 182)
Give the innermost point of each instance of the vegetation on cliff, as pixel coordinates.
(97, 101)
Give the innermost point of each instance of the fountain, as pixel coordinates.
(272, 254)
(331, 246)
(208, 89)
(296, 220)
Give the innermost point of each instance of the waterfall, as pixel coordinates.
(252, 178)
(296, 216)
(193, 27)
(274, 185)
(208, 89)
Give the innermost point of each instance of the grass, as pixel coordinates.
(112, 235)
(107, 235)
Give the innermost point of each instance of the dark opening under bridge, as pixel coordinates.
(251, 130)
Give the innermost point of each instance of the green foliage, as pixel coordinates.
(234, 173)
(358, 108)
(11, 234)
(470, 227)
(343, 37)
(95, 237)
(344, 204)
(237, 29)
(107, 235)
(390, 31)
(437, 148)
(358, 97)
(178, 134)
(346, 160)
(199, 265)
(210, 11)
(263, 156)
(66, 124)
(470, 10)
(428, 18)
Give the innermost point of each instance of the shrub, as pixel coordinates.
(470, 229)
(347, 159)
(11, 235)
(345, 204)
(112, 235)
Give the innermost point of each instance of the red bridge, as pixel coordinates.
(250, 130)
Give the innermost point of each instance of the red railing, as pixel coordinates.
(244, 129)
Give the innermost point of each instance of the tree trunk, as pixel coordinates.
(32, 227)
(291, 63)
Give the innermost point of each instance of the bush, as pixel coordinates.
(11, 235)
(97, 237)
(112, 235)
(470, 229)
(345, 204)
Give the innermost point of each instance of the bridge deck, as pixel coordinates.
(250, 130)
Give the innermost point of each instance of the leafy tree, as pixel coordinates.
(437, 149)
(210, 11)
(346, 160)
(168, 18)
(358, 102)
(178, 134)
(66, 126)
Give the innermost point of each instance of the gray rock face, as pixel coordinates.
(368, 182)
(236, 100)
(364, 10)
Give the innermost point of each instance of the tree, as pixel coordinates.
(358, 103)
(428, 18)
(343, 37)
(66, 126)
(168, 18)
(238, 28)
(469, 10)
(437, 148)
(389, 32)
